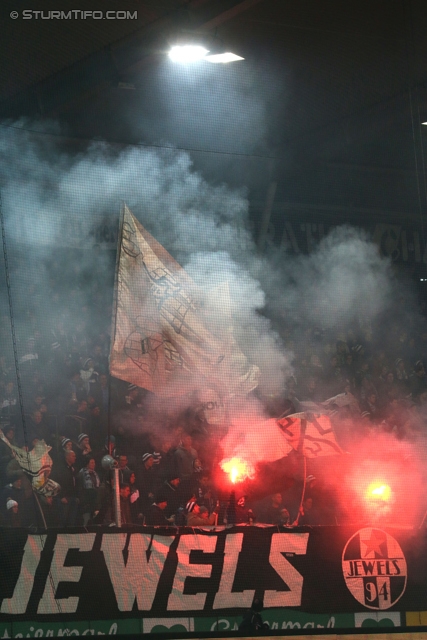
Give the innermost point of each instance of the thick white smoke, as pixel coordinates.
(205, 227)
(343, 280)
(252, 330)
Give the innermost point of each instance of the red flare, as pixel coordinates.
(378, 492)
(237, 469)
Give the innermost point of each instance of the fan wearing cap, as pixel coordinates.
(89, 490)
(84, 453)
(148, 460)
(12, 504)
(243, 513)
(131, 400)
(66, 502)
(171, 489)
(66, 444)
(13, 518)
(123, 467)
(155, 514)
(12, 491)
(199, 516)
(205, 491)
(125, 512)
(166, 463)
(146, 478)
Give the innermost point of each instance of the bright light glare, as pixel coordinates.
(237, 469)
(424, 123)
(187, 53)
(223, 57)
(378, 491)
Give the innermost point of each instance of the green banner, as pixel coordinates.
(69, 628)
(278, 619)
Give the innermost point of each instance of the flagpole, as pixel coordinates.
(40, 509)
(114, 314)
(301, 450)
(116, 276)
(112, 341)
(303, 490)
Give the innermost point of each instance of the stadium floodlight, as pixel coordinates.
(187, 53)
(190, 46)
(223, 58)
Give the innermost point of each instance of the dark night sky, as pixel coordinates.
(334, 92)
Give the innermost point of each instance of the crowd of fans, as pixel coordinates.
(386, 388)
(166, 458)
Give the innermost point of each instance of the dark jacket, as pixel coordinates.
(156, 517)
(66, 476)
(125, 510)
(175, 498)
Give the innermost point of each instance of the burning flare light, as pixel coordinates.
(378, 492)
(237, 469)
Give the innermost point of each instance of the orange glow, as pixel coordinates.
(237, 469)
(379, 492)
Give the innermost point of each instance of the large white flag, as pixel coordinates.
(311, 434)
(161, 340)
(255, 441)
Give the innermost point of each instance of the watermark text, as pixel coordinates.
(74, 14)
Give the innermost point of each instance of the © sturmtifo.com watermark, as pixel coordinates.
(73, 14)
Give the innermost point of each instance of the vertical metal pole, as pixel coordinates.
(116, 491)
(303, 492)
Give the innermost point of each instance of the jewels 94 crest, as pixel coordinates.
(374, 568)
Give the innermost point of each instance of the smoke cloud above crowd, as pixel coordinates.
(55, 199)
(47, 193)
